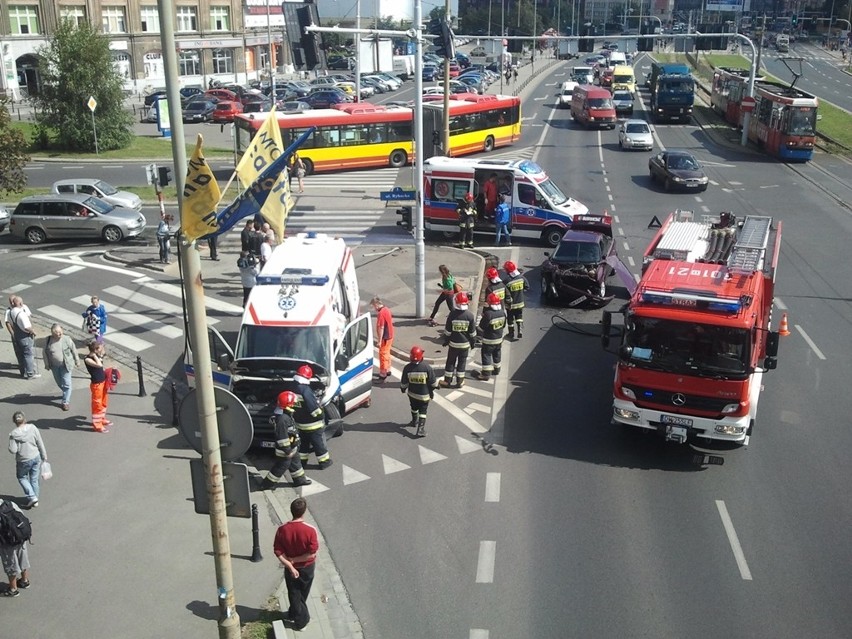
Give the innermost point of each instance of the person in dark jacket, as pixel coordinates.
(310, 419)
(516, 286)
(502, 220)
(419, 383)
(286, 445)
(461, 332)
(245, 236)
(466, 211)
(495, 285)
(491, 327)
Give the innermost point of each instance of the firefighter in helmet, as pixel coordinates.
(286, 445)
(310, 419)
(419, 382)
(466, 211)
(516, 286)
(491, 328)
(495, 285)
(460, 332)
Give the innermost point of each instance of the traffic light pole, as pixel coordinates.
(419, 243)
(448, 53)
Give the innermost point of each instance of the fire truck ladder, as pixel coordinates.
(750, 249)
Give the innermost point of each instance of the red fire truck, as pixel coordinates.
(697, 335)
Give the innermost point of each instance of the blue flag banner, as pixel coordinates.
(250, 201)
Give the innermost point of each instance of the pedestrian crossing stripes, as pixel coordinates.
(352, 226)
(512, 153)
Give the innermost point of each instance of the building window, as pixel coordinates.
(220, 19)
(150, 19)
(189, 62)
(223, 61)
(76, 15)
(113, 19)
(23, 19)
(186, 19)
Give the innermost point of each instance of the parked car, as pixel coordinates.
(223, 94)
(392, 80)
(323, 82)
(202, 97)
(455, 69)
(623, 102)
(474, 82)
(199, 111)
(378, 81)
(73, 216)
(187, 92)
(326, 99)
(678, 170)
(341, 63)
(347, 87)
(225, 111)
(155, 95)
(430, 73)
(297, 87)
(635, 134)
(100, 189)
(4, 218)
(257, 106)
(367, 91)
(294, 106)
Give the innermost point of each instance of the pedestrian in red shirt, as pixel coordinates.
(296, 547)
(490, 191)
(384, 336)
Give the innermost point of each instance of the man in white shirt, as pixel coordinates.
(265, 251)
(17, 321)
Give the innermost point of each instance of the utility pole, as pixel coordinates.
(419, 243)
(446, 89)
(357, 39)
(229, 619)
(271, 51)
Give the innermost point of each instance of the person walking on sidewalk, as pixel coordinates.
(296, 545)
(286, 445)
(491, 328)
(310, 419)
(60, 358)
(502, 219)
(461, 332)
(297, 168)
(164, 233)
(384, 336)
(419, 383)
(248, 274)
(516, 286)
(7, 322)
(14, 557)
(94, 362)
(95, 319)
(448, 289)
(467, 220)
(23, 336)
(213, 246)
(26, 444)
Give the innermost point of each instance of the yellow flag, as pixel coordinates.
(265, 147)
(278, 205)
(200, 197)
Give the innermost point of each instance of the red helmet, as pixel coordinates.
(287, 399)
(510, 267)
(493, 299)
(468, 197)
(492, 273)
(416, 354)
(461, 298)
(305, 371)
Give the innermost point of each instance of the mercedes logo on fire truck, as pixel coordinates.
(678, 399)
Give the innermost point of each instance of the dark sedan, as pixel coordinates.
(326, 99)
(678, 170)
(198, 111)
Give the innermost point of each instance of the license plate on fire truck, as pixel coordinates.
(676, 420)
(267, 444)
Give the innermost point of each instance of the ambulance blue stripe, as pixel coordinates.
(345, 377)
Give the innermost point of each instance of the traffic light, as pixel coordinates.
(794, 19)
(585, 45)
(309, 40)
(444, 43)
(164, 174)
(645, 44)
(405, 212)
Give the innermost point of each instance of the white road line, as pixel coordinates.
(470, 390)
(17, 288)
(70, 269)
(45, 278)
(134, 319)
(352, 476)
(780, 304)
(392, 465)
(485, 563)
(478, 633)
(492, 487)
(475, 406)
(70, 318)
(810, 342)
(175, 291)
(745, 573)
(466, 446)
(154, 303)
(428, 456)
(501, 383)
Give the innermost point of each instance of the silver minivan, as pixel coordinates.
(101, 189)
(70, 216)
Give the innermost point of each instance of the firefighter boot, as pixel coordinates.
(495, 371)
(482, 376)
(421, 427)
(301, 481)
(413, 421)
(520, 330)
(269, 482)
(511, 334)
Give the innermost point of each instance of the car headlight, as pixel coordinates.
(623, 413)
(730, 408)
(678, 179)
(726, 429)
(628, 393)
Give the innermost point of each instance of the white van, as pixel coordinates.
(566, 91)
(303, 310)
(616, 58)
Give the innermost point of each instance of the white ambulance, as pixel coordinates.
(303, 310)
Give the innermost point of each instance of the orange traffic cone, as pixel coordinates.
(784, 329)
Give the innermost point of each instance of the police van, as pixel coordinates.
(304, 309)
(540, 209)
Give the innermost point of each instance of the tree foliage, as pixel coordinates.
(13, 157)
(76, 64)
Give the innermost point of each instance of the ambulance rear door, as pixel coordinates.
(353, 362)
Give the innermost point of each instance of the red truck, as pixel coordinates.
(697, 338)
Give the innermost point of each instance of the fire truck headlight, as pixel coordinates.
(726, 429)
(624, 413)
(730, 408)
(628, 393)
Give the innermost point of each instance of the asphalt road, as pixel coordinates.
(557, 524)
(820, 69)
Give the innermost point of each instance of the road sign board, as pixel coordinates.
(92, 103)
(748, 104)
(396, 194)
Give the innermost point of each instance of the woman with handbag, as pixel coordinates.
(60, 357)
(448, 289)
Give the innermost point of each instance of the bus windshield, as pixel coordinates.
(306, 343)
(802, 121)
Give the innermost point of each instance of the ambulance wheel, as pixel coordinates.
(552, 235)
(489, 144)
(398, 159)
(334, 424)
(309, 166)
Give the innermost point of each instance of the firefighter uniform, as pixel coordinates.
(498, 287)
(419, 383)
(310, 420)
(466, 211)
(491, 326)
(286, 446)
(516, 286)
(461, 332)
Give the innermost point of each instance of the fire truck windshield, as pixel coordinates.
(305, 343)
(686, 347)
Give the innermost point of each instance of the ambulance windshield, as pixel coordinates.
(297, 343)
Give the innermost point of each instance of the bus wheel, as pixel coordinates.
(489, 144)
(398, 159)
(552, 235)
(309, 166)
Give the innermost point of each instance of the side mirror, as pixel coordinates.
(772, 341)
(224, 361)
(770, 363)
(606, 327)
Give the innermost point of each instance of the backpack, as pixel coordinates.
(113, 377)
(15, 528)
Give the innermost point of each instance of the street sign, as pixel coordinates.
(151, 173)
(748, 104)
(232, 417)
(235, 484)
(396, 194)
(92, 104)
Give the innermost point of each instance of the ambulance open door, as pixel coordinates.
(221, 357)
(353, 362)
